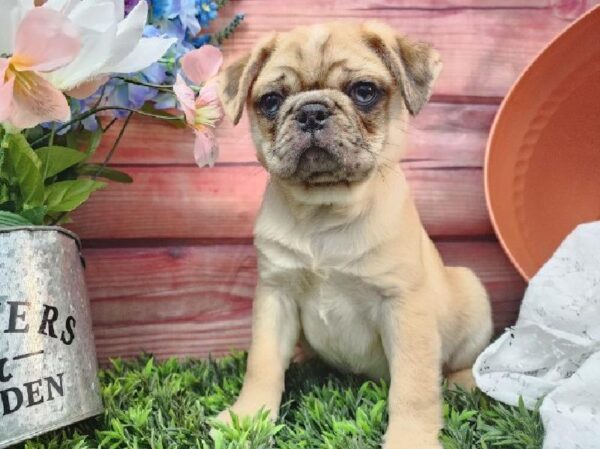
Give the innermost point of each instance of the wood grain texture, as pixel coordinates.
(442, 134)
(484, 44)
(178, 297)
(222, 202)
(196, 300)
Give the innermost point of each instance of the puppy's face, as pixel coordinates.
(321, 99)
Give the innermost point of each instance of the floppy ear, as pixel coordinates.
(414, 65)
(236, 80)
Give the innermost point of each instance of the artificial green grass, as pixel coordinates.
(171, 405)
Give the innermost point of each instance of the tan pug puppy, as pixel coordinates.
(343, 258)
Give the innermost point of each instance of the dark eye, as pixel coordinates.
(270, 103)
(364, 94)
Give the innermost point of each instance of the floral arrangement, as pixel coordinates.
(71, 69)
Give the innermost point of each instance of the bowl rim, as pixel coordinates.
(499, 116)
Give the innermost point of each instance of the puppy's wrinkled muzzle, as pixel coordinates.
(317, 164)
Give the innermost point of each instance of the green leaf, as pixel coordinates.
(33, 134)
(95, 137)
(64, 196)
(35, 215)
(148, 368)
(57, 218)
(4, 193)
(73, 138)
(23, 166)
(83, 140)
(56, 159)
(105, 173)
(2, 155)
(8, 219)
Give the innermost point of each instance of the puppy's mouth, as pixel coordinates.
(316, 165)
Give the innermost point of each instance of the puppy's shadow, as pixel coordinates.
(311, 377)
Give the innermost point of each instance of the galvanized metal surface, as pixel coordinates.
(48, 371)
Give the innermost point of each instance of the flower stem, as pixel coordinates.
(106, 108)
(163, 87)
(110, 124)
(114, 147)
(101, 96)
(52, 134)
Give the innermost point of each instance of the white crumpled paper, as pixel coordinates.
(553, 351)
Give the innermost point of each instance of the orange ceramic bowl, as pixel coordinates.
(542, 165)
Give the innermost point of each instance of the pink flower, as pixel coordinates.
(202, 112)
(202, 64)
(45, 40)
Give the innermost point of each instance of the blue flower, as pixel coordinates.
(199, 40)
(183, 20)
(138, 95)
(165, 101)
(169, 28)
(77, 107)
(187, 16)
(207, 11)
(89, 123)
(119, 93)
(164, 9)
(151, 31)
(116, 94)
(155, 73)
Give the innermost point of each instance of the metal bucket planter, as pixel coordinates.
(48, 371)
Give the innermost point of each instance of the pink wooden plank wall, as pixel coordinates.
(171, 268)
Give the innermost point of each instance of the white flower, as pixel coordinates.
(11, 16)
(111, 43)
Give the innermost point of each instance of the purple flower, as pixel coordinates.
(116, 94)
(155, 73)
(129, 5)
(165, 101)
(78, 107)
(119, 93)
(138, 95)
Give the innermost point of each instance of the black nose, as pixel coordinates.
(312, 116)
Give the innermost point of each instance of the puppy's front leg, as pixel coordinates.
(275, 331)
(412, 345)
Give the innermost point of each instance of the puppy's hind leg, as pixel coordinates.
(463, 379)
(475, 326)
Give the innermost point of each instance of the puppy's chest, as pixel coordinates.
(340, 310)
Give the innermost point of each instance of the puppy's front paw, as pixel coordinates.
(407, 444)
(410, 440)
